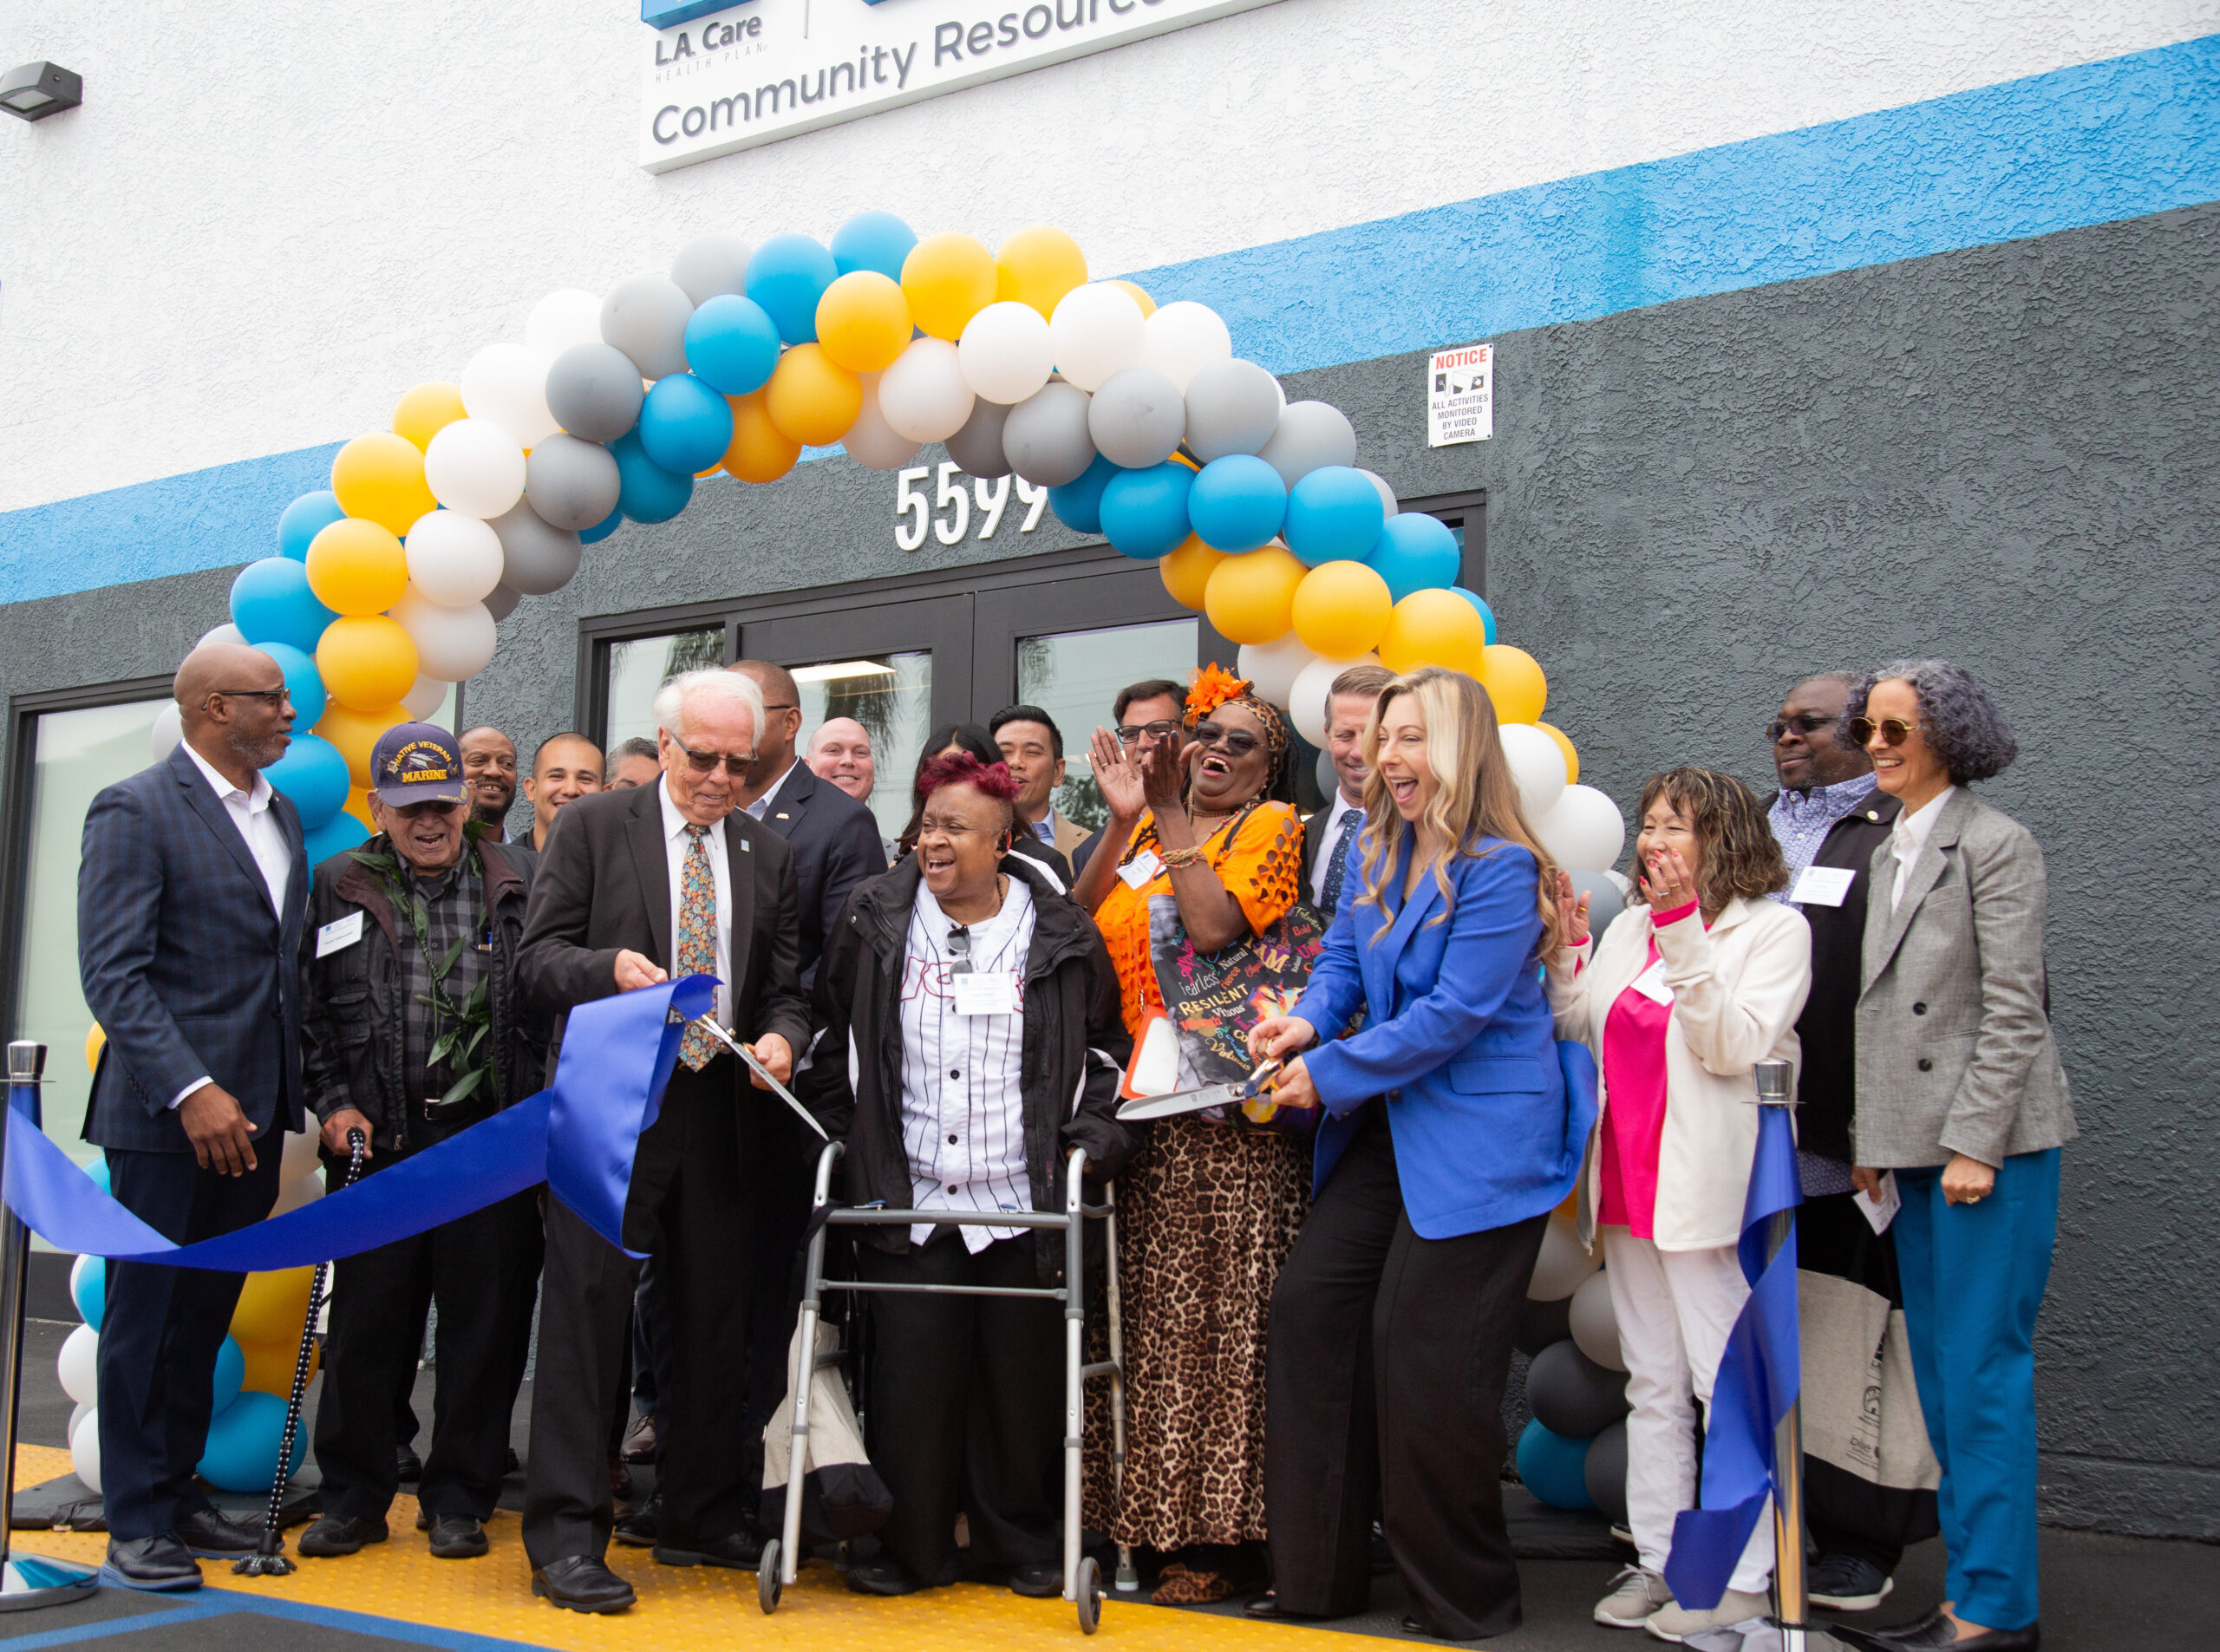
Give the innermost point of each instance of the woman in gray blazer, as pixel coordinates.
(1960, 1095)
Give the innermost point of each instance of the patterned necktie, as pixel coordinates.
(1329, 899)
(697, 937)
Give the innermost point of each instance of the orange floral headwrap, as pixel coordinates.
(1212, 686)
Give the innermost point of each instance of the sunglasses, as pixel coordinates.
(705, 762)
(1892, 730)
(1239, 741)
(271, 697)
(1806, 724)
(959, 949)
(1162, 728)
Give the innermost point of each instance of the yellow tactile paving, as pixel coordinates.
(679, 1607)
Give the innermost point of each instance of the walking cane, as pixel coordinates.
(268, 1559)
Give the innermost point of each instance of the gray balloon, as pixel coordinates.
(571, 484)
(1137, 418)
(535, 558)
(1571, 1394)
(1046, 438)
(1605, 903)
(978, 449)
(594, 392)
(1232, 407)
(646, 319)
(1605, 1471)
(502, 601)
(712, 263)
(1310, 434)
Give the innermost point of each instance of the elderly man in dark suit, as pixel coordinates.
(636, 887)
(190, 896)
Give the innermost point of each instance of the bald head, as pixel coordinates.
(840, 752)
(774, 745)
(216, 666)
(232, 700)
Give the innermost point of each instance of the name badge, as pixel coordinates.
(985, 995)
(1650, 983)
(1141, 869)
(1822, 885)
(338, 935)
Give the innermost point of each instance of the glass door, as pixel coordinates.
(1075, 676)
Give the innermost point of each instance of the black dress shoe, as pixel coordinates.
(458, 1536)
(207, 1531)
(884, 1576)
(1267, 1606)
(642, 1526)
(739, 1550)
(407, 1465)
(331, 1535)
(161, 1562)
(1037, 1579)
(581, 1583)
(1936, 1630)
(1419, 1623)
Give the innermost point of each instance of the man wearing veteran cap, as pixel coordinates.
(412, 1030)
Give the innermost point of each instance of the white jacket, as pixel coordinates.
(1737, 990)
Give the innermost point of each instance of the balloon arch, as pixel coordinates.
(1137, 417)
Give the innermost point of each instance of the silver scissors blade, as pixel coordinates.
(1211, 1095)
(761, 1072)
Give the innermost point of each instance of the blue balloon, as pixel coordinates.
(335, 836)
(231, 1375)
(97, 1170)
(1237, 502)
(88, 1288)
(1487, 614)
(1334, 514)
(304, 520)
(645, 491)
(1555, 1469)
(1416, 552)
(243, 1441)
(1143, 513)
(313, 774)
(787, 276)
(876, 241)
(303, 680)
(684, 425)
(732, 344)
(603, 529)
(1078, 505)
(271, 603)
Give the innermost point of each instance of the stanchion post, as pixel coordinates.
(1776, 1088)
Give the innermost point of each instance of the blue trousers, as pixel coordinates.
(1974, 1277)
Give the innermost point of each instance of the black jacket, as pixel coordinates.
(1074, 1048)
(836, 845)
(351, 1041)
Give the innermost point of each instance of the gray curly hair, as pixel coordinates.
(1962, 725)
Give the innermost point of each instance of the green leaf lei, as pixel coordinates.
(467, 1036)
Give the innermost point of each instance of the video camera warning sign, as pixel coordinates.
(1460, 396)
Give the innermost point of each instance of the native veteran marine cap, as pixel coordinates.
(417, 762)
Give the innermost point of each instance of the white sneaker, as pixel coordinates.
(1636, 1595)
(1673, 1621)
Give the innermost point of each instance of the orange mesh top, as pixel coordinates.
(1257, 856)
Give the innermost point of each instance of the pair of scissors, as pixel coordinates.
(709, 1024)
(1232, 1092)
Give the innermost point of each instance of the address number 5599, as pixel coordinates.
(947, 513)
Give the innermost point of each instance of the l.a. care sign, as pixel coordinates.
(770, 69)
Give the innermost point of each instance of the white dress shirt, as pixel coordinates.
(265, 841)
(674, 842)
(1324, 864)
(1909, 836)
(761, 807)
(963, 1118)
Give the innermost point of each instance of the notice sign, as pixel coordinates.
(770, 69)
(1460, 396)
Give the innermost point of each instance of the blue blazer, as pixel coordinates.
(1458, 1041)
(184, 964)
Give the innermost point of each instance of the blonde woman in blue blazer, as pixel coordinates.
(1449, 1134)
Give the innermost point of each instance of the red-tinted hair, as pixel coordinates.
(961, 768)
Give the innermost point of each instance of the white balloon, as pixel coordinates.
(1272, 668)
(1387, 499)
(1563, 1263)
(1306, 700)
(507, 384)
(1098, 331)
(425, 696)
(453, 559)
(871, 442)
(300, 1145)
(564, 317)
(1006, 352)
(226, 632)
(1182, 339)
(85, 1449)
(78, 1365)
(452, 643)
(1583, 828)
(1537, 764)
(302, 1190)
(168, 732)
(474, 467)
(1595, 1325)
(925, 397)
(78, 1414)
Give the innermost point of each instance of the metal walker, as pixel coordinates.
(1082, 1577)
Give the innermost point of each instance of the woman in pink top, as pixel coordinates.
(1697, 981)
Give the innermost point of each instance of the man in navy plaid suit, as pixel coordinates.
(189, 901)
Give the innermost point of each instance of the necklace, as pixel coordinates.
(1001, 894)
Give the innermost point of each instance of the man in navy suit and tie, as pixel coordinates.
(191, 895)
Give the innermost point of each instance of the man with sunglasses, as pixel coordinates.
(1147, 710)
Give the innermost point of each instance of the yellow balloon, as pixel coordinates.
(811, 400)
(380, 477)
(1037, 266)
(1250, 598)
(273, 1307)
(1187, 571)
(1340, 609)
(1434, 627)
(365, 661)
(426, 411)
(863, 321)
(356, 567)
(1148, 303)
(760, 451)
(94, 1041)
(1514, 681)
(270, 1365)
(1571, 757)
(354, 733)
(948, 278)
(358, 804)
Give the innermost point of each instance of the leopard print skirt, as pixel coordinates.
(1206, 1214)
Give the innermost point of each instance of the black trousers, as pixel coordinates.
(966, 1405)
(691, 1192)
(1385, 1372)
(483, 1271)
(160, 1333)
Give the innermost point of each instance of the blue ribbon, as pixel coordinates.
(578, 1135)
(1760, 1376)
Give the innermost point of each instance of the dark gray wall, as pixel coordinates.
(2005, 456)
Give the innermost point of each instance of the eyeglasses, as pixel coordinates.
(705, 762)
(1892, 730)
(959, 949)
(1239, 741)
(271, 697)
(1162, 728)
(781, 705)
(1806, 724)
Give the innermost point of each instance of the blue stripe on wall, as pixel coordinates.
(2092, 144)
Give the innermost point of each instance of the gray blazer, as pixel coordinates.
(1955, 1053)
